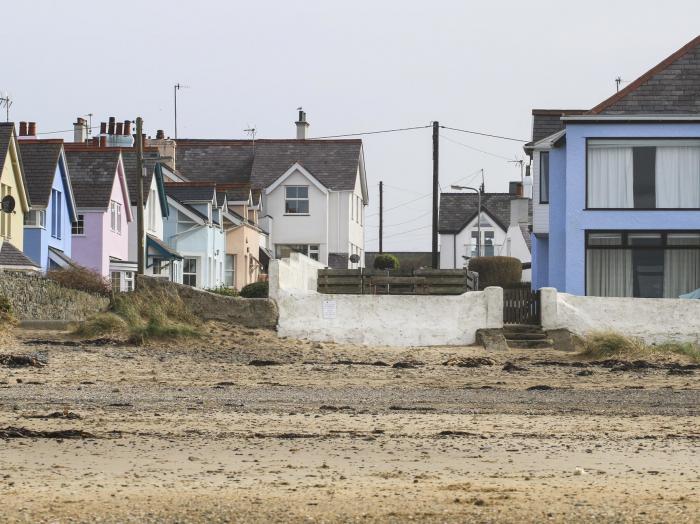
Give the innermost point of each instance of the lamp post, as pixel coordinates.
(478, 214)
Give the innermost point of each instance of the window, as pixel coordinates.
(649, 264)
(116, 282)
(36, 218)
(184, 222)
(487, 244)
(56, 214)
(78, 227)
(230, 271)
(129, 280)
(189, 272)
(296, 200)
(544, 177)
(284, 250)
(643, 174)
(115, 209)
(157, 266)
(5, 218)
(152, 210)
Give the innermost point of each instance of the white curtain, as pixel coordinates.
(678, 176)
(610, 177)
(609, 271)
(681, 267)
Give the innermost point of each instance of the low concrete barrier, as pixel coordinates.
(393, 320)
(653, 320)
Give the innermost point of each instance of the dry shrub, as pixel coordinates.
(81, 279)
(497, 271)
(101, 325)
(7, 317)
(608, 344)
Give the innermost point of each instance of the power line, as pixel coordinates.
(404, 222)
(372, 132)
(476, 148)
(403, 232)
(483, 134)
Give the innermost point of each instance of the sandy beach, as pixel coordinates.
(241, 426)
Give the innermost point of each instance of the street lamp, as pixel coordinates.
(478, 214)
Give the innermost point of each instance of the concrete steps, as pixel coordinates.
(526, 337)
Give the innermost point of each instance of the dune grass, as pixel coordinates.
(607, 344)
(143, 315)
(7, 316)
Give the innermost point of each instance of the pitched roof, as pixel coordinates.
(183, 192)
(670, 87)
(92, 172)
(334, 163)
(11, 257)
(525, 230)
(164, 248)
(546, 122)
(458, 209)
(40, 158)
(6, 131)
(131, 171)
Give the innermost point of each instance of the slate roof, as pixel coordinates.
(163, 246)
(180, 195)
(546, 122)
(6, 130)
(131, 172)
(39, 159)
(11, 257)
(458, 209)
(334, 163)
(670, 87)
(237, 194)
(187, 193)
(92, 173)
(525, 230)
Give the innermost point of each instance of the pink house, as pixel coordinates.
(101, 234)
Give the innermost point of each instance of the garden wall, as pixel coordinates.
(36, 298)
(653, 320)
(392, 320)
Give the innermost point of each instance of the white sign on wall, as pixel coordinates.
(329, 308)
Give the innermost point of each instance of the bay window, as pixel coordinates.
(643, 174)
(651, 264)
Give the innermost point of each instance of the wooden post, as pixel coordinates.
(436, 192)
(141, 241)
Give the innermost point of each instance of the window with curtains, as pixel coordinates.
(643, 174)
(650, 264)
(544, 177)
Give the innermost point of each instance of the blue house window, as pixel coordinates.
(544, 177)
(56, 213)
(643, 174)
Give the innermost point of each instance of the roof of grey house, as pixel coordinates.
(334, 163)
(10, 257)
(458, 209)
(180, 195)
(670, 87)
(92, 172)
(546, 122)
(237, 194)
(525, 230)
(188, 193)
(39, 159)
(6, 130)
(131, 171)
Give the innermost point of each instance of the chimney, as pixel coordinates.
(103, 128)
(302, 125)
(80, 130)
(160, 135)
(120, 128)
(22, 129)
(31, 129)
(516, 188)
(110, 127)
(127, 127)
(103, 140)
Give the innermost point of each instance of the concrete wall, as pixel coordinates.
(654, 320)
(409, 320)
(34, 297)
(249, 312)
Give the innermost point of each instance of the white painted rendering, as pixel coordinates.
(153, 220)
(653, 320)
(393, 320)
(462, 241)
(540, 212)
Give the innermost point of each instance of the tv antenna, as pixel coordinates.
(251, 131)
(619, 81)
(6, 101)
(176, 88)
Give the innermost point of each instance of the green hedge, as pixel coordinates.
(497, 271)
(255, 290)
(386, 261)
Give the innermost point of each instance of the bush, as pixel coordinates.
(256, 290)
(386, 262)
(7, 317)
(101, 325)
(608, 344)
(82, 279)
(226, 291)
(497, 271)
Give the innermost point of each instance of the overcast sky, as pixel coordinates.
(354, 66)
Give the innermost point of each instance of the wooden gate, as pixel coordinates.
(521, 305)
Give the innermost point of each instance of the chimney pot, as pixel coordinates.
(103, 141)
(120, 128)
(127, 127)
(160, 134)
(96, 141)
(103, 128)
(302, 126)
(80, 130)
(22, 129)
(31, 129)
(110, 127)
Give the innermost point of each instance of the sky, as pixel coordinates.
(354, 67)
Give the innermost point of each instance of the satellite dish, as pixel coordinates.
(354, 259)
(8, 204)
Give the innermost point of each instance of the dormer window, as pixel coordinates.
(296, 200)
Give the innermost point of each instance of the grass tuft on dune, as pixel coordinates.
(608, 344)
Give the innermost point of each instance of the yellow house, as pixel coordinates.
(12, 183)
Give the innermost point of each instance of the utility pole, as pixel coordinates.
(176, 87)
(141, 238)
(381, 217)
(436, 191)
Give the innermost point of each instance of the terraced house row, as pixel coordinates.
(215, 211)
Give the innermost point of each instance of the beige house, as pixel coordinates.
(13, 184)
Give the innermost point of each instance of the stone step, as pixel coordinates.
(516, 335)
(530, 344)
(522, 328)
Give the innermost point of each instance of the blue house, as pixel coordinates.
(616, 189)
(47, 226)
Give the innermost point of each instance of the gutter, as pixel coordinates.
(631, 118)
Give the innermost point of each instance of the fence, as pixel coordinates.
(375, 282)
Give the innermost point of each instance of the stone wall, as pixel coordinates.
(393, 320)
(34, 297)
(249, 312)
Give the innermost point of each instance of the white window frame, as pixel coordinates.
(56, 214)
(296, 199)
(115, 210)
(190, 273)
(152, 211)
(5, 218)
(35, 218)
(230, 271)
